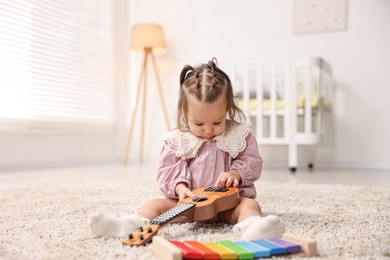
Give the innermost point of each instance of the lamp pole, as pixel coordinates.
(142, 87)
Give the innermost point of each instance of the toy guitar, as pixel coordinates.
(207, 203)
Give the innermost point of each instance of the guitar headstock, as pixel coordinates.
(142, 236)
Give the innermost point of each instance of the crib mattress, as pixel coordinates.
(280, 104)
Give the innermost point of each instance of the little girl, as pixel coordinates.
(211, 147)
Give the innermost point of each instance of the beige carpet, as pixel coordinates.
(51, 223)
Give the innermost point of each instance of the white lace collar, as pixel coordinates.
(232, 140)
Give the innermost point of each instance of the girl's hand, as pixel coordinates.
(183, 191)
(228, 179)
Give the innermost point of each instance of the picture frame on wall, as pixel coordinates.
(316, 16)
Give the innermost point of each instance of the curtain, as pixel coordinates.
(58, 65)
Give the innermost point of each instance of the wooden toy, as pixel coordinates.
(208, 202)
(289, 245)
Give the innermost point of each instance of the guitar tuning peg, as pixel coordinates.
(130, 235)
(149, 230)
(141, 237)
(140, 229)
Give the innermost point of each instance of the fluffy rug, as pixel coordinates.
(348, 222)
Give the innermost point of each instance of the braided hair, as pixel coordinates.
(207, 82)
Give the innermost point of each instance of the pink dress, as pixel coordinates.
(198, 162)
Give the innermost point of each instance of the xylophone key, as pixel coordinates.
(290, 247)
(187, 252)
(275, 249)
(206, 252)
(257, 250)
(225, 253)
(241, 252)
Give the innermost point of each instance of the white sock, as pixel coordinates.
(257, 227)
(108, 226)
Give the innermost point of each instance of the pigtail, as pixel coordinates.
(185, 73)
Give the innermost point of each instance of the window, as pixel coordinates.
(59, 65)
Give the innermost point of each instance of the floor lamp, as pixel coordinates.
(149, 39)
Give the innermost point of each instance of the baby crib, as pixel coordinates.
(285, 101)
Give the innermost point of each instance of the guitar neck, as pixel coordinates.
(144, 234)
(175, 212)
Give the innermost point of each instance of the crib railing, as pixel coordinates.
(284, 100)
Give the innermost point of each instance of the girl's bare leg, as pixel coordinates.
(245, 209)
(155, 207)
(250, 224)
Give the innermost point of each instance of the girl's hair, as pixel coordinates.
(207, 83)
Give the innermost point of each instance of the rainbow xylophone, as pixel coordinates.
(289, 244)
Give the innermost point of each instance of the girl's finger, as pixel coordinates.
(190, 194)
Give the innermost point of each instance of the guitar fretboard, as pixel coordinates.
(172, 213)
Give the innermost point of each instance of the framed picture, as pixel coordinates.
(313, 16)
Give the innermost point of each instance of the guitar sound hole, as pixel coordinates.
(199, 199)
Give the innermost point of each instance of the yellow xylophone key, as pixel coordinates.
(225, 253)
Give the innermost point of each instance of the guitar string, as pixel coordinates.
(199, 197)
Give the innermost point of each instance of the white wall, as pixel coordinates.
(260, 29)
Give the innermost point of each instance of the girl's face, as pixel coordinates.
(206, 120)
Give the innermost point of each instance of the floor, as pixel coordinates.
(49, 177)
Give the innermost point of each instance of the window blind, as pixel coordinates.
(58, 65)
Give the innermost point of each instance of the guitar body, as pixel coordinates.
(209, 201)
(212, 203)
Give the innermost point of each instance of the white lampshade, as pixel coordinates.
(147, 36)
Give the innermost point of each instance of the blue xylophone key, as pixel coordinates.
(275, 249)
(290, 247)
(257, 250)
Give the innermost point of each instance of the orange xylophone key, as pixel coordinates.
(206, 252)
